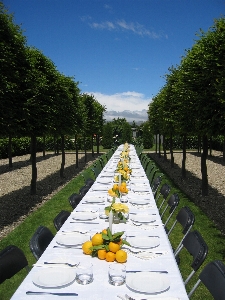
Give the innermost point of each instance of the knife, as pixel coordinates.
(48, 293)
(165, 272)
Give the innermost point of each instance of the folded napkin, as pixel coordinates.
(154, 298)
(146, 255)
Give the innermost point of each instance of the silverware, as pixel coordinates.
(81, 232)
(83, 222)
(48, 293)
(67, 247)
(59, 263)
(137, 271)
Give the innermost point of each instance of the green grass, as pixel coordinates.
(45, 215)
(21, 235)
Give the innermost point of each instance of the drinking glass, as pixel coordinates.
(117, 274)
(84, 273)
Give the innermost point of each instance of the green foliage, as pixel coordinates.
(107, 137)
(126, 133)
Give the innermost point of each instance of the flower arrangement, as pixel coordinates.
(118, 209)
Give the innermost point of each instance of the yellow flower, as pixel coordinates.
(120, 207)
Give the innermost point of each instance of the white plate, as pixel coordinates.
(54, 277)
(140, 188)
(139, 202)
(144, 242)
(72, 239)
(105, 180)
(100, 188)
(143, 218)
(94, 200)
(84, 216)
(148, 282)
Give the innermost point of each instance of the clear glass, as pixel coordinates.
(84, 273)
(117, 274)
(101, 213)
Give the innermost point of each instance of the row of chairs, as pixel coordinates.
(213, 274)
(13, 259)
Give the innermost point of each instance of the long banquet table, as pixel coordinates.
(161, 257)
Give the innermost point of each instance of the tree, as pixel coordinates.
(13, 65)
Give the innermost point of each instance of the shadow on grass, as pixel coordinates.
(18, 203)
(212, 205)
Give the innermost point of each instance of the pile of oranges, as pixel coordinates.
(114, 191)
(106, 246)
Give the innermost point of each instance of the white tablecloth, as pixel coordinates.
(100, 287)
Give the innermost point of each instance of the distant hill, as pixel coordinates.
(137, 116)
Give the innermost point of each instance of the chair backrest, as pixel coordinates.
(12, 260)
(197, 248)
(186, 219)
(164, 192)
(74, 200)
(87, 180)
(96, 170)
(60, 219)
(156, 183)
(83, 190)
(172, 204)
(152, 174)
(213, 277)
(40, 241)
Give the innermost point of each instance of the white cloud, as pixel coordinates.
(127, 105)
(133, 27)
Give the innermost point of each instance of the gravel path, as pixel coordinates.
(16, 202)
(15, 199)
(213, 205)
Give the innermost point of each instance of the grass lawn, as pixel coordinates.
(45, 215)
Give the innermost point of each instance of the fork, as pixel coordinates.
(55, 263)
(81, 232)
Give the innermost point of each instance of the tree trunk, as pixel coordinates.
(164, 149)
(210, 146)
(156, 143)
(63, 155)
(85, 150)
(224, 148)
(77, 155)
(10, 152)
(44, 146)
(159, 145)
(33, 164)
(199, 144)
(97, 142)
(184, 156)
(57, 146)
(171, 151)
(204, 166)
(92, 147)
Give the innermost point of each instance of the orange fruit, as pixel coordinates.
(123, 183)
(102, 253)
(114, 247)
(110, 256)
(121, 256)
(115, 187)
(104, 231)
(123, 189)
(125, 169)
(86, 247)
(97, 239)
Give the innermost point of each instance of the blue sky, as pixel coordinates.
(118, 50)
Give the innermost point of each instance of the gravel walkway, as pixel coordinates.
(213, 205)
(15, 199)
(16, 202)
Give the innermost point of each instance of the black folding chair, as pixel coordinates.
(40, 241)
(213, 277)
(74, 200)
(186, 219)
(164, 192)
(156, 183)
(87, 180)
(60, 219)
(12, 260)
(197, 248)
(83, 190)
(172, 204)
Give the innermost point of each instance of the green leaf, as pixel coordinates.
(124, 242)
(109, 234)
